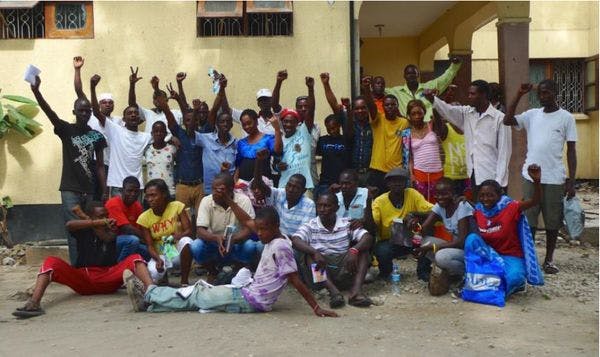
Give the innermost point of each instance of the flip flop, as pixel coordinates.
(550, 268)
(25, 313)
(336, 301)
(360, 300)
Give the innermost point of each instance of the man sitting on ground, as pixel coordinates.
(330, 243)
(275, 269)
(214, 216)
(291, 203)
(96, 270)
(125, 210)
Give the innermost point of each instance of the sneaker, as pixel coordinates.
(135, 291)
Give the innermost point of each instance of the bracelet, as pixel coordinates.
(316, 307)
(434, 248)
(353, 251)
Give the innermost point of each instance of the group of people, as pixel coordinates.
(396, 162)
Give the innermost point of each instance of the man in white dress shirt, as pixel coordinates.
(487, 140)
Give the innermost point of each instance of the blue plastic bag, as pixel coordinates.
(574, 217)
(484, 277)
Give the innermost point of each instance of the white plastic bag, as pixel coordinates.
(574, 217)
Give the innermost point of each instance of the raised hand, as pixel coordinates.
(430, 94)
(172, 92)
(524, 89)
(222, 81)
(78, 62)
(365, 82)
(325, 78)
(310, 82)
(154, 81)
(196, 103)
(95, 80)
(133, 78)
(346, 103)
(180, 77)
(282, 75)
(535, 172)
(161, 103)
(36, 86)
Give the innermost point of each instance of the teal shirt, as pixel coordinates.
(440, 83)
(297, 154)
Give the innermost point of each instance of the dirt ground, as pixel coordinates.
(560, 318)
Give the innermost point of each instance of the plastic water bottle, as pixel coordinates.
(215, 80)
(395, 280)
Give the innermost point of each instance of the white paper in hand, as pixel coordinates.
(30, 73)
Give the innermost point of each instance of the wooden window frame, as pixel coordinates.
(53, 32)
(591, 86)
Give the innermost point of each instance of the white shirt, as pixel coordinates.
(152, 117)
(357, 206)
(127, 151)
(546, 137)
(487, 140)
(463, 210)
(94, 123)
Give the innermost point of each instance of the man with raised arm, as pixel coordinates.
(127, 142)
(387, 142)
(155, 114)
(79, 144)
(413, 89)
(548, 129)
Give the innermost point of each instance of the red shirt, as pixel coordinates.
(500, 231)
(122, 214)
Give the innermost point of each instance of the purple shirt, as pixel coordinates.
(276, 262)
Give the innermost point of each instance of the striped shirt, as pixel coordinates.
(326, 242)
(426, 153)
(291, 218)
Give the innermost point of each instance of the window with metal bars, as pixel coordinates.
(569, 74)
(37, 19)
(244, 18)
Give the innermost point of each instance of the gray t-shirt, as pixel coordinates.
(463, 210)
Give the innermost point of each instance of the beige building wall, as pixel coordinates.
(161, 39)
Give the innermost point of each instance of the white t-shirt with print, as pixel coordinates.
(546, 137)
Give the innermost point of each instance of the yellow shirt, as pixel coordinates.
(384, 211)
(455, 155)
(387, 142)
(161, 226)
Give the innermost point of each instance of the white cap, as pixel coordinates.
(264, 93)
(105, 96)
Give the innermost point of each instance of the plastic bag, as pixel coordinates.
(484, 273)
(574, 217)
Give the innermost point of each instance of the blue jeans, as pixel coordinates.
(245, 252)
(69, 200)
(218, 298)
(130, 244)
(385, 252)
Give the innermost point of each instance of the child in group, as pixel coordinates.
(159, 157)
(276, 267)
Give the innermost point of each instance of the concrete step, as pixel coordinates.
(35, 254)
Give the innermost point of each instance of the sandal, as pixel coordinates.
(336, 301)
(550, 268)
(27, 311)
(360, 300)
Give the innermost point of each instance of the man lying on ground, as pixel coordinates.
(96, 270)
(276, 267)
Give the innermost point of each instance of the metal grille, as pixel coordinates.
(275, 24)
(22, 23)
(220, 26)
(70, 16)
(568, 75)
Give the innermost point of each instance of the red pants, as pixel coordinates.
(89, 280)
